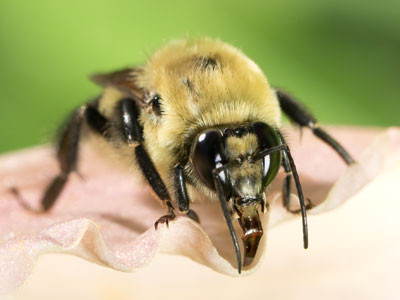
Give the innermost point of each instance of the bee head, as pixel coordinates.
(230, 155)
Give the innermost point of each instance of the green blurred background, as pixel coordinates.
(341, 58)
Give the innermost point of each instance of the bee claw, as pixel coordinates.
(164, 219)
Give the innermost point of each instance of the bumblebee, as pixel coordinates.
(199, 120)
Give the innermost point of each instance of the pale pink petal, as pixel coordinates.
(108, 217)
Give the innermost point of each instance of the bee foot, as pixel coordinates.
(164, 219)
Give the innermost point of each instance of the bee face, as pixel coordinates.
(245, 175)
(232, 153)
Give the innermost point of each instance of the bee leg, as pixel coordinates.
(133, 133)
(181, 194)
(166, 218)
(67, 154)
(96, 121)
(301, 116)
(68, 149)
(287, 187)
(156, 183)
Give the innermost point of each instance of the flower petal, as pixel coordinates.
(107, 218)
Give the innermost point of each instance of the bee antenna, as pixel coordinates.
(222, 201)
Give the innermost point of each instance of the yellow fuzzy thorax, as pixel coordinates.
(203, 83)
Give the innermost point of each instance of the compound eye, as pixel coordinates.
(267, 138)
(208, 154)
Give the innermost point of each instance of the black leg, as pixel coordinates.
(181, 194)
(301, 116)
(180, 189)
(130, 126)
(133, 133)
(287, 183)
(96, 121)
(67, 153)
(156, 183)
(151, 173)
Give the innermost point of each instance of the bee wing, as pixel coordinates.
(124, 80)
